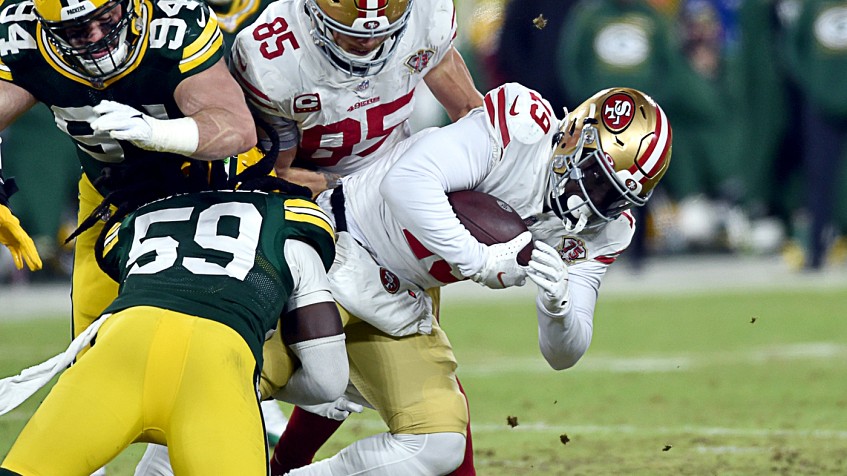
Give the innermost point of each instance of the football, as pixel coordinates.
(489, 219)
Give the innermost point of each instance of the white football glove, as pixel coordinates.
(122, 122)
(501, 269)
(339, 410)
(548, 271)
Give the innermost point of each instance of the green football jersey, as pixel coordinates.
(217, 255)
(178, 39)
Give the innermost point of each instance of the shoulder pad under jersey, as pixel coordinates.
(187, 30)
(437, 18)
(516, 112)
(312, 225)
(265, 68)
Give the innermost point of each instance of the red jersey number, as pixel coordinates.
(273, 36)
(351, 133)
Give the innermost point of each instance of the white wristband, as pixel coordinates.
(179, 136)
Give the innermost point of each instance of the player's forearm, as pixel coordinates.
(323, 373)
(456, 157)
(563, 338)
(453, 87)
(222, 134)
(316, 181)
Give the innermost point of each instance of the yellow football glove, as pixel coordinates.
(18, 242)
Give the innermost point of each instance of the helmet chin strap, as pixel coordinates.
(580, 210)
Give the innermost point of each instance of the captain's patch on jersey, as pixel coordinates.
(310, 102)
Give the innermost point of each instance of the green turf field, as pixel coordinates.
(726, 384)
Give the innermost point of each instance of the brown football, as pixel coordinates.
(489, 219)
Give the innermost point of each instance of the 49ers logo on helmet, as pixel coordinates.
(390, 281)
(618, 112)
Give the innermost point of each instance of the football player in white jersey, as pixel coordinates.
(573, 185)
(336, 79)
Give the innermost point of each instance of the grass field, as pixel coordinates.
(728, 383)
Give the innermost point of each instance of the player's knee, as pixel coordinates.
(439, 453)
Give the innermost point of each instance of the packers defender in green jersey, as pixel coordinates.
(203, 278)
(140, 86)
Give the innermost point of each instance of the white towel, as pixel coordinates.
(16, 389)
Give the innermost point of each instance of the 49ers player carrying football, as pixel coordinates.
(403, 239)
(337, 80)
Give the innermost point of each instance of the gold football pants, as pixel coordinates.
(411, 380)
(153, 376)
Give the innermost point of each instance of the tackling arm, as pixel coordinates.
(317, 181)
(312, 330)
(217, 123)
(215, 102)
(452, 85)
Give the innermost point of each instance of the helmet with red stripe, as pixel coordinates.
(358, 19)
(610, 153)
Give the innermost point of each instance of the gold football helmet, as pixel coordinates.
(93, 37)
(610, 153)
(358, 19)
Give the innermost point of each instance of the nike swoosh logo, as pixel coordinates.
(500, 278)
(512, 111)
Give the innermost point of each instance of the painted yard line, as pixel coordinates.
(660, 363)
(545, 427)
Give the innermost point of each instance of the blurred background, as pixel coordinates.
(753, 89)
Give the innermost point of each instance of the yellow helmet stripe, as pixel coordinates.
(297, 209)
(207, 44)
(5, 72)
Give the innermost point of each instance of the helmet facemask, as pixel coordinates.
(324, 26)
(102, 57)
(585, 190)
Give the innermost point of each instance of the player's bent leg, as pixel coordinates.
(93, 411)
(467, 467)
(409, 380)
(92, 290)
(215, 424)
(389, 455)
(303, 437)
(155, 462)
